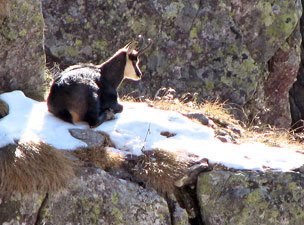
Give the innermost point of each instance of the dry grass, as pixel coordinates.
(214, 110)
(274, 137)
(160, 169)
(100, 156)
(33, 167)
(219, 113)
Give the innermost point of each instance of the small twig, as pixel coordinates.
(145, 141)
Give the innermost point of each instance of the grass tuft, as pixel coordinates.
(33, 167)
(219, 113)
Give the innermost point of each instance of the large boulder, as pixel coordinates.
(297, 91)
(22, 57)
(249, 197)
(93, 197)
(212, 48)
(283, 70)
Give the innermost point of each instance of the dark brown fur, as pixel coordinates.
(89, 92)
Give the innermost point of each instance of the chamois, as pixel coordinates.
(88, 92)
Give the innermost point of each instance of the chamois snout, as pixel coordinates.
(132, 70)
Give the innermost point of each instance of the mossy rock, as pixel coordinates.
(216, 49)
(249, 197)
(22, 57)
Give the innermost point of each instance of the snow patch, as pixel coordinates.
(141, 127)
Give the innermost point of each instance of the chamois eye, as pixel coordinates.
(133, 57)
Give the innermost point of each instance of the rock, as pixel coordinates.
(22, 57)
(192, 173)
(180, 216)
(224, 139)
(249, 197)
(18, 209)
(201, 118)
(297, 92)
(93, 197)
(90, 137)
(285, 61)
(207, 48)
(98, 198)
(4, 108)
(4, 11)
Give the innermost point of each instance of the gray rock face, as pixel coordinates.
(297, 91)
(19, 209)
(98, 198)
(94, 197)
(285, 61)
(212, 48)
(246, 52)
(251, 198)
(22, 57)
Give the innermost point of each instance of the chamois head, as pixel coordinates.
(132, 70)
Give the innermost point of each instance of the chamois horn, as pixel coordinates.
(131, 46)
(142, 49)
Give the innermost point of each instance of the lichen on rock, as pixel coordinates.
(222, 49)
(22, 57)
(251, 197)
(95, 197)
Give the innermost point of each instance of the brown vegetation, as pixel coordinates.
(100, 156)
(29, 167)
(160, 169)
(219, 113)
(32, 167)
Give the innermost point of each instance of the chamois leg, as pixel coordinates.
(117, 108)
(104, 116)
(64, 115)
(92, 119)
(109, 101)
(93, 111)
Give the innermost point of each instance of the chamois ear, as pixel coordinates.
(131, 46)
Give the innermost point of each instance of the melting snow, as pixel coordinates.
(141, 126)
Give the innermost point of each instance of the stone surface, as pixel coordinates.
(283, 70)
(297, 91)
(4, 108)
(249, 197)
(212, 48)
(94, 197)
(22, 57)
(98, 198)
(19, 209)
(90, 137)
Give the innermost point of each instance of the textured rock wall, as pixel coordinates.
(224, 197)
(22, 56)
(249, 197)
(94, 197)
(297, 91)
(283, 70)
(225, 49)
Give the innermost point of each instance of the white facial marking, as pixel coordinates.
(130, 71)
